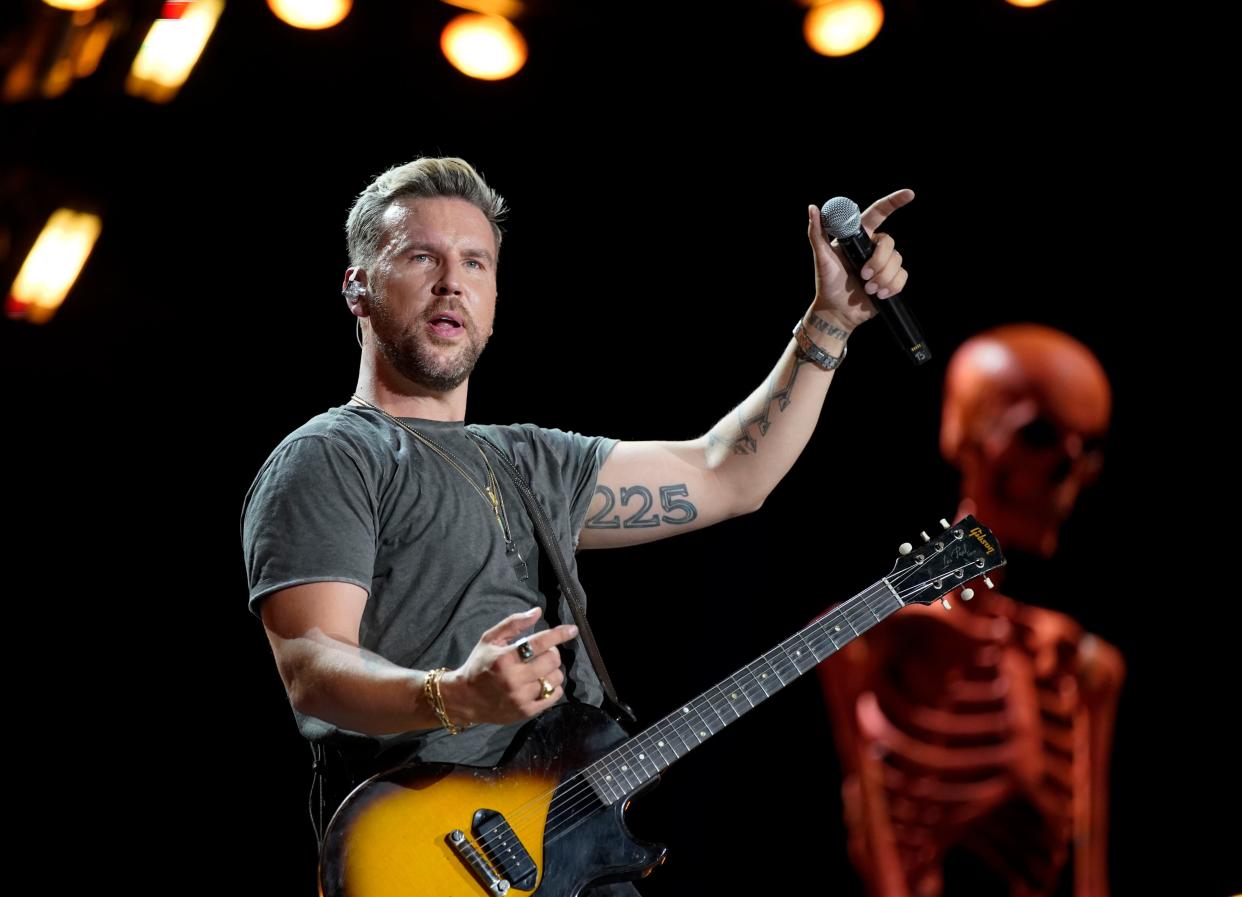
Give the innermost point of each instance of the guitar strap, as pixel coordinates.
(330, 775)
(569, 586)
(332, 778)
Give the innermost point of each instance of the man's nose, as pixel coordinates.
(447, 286)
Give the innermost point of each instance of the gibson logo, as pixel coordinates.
(977, 532)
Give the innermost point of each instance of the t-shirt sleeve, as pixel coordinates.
(595, 451)
(561, 463)
(309, 517)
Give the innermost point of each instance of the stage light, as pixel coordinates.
(55, 50)
(171, 48)
(841, 27)
(510, 9)
(311, 14)
(1027, 4)
(53, 265)
(74, 5)
(485, 47)
(91, 49)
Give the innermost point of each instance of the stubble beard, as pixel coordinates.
(414, 356)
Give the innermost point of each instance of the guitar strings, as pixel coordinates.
(815, 641)
(581, 795)
(786, 670)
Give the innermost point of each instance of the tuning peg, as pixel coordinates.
(904, 548)
(967, 594)
(988, 580)
(926, 538)
(947, 605)
(944, 523)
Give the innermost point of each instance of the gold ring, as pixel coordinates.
(545, 689)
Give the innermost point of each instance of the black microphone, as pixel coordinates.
(841, 219)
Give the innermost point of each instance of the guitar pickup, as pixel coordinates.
(505, 850)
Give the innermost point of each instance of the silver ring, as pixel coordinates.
(525, 651)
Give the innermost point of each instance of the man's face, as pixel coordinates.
(434, 290)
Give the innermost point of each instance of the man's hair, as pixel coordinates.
(424, 178)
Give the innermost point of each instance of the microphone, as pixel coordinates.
(841, 219)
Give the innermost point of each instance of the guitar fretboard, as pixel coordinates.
(632, 764)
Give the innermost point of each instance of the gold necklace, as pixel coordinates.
(490, 493)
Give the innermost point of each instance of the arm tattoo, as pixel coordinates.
(828, 327)
(673, 499)
(745, 443)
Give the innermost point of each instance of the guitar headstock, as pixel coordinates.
(963, 552)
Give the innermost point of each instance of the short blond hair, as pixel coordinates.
(425, 178)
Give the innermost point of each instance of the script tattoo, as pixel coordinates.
(745, 443)
(673, 499)
(828, 327)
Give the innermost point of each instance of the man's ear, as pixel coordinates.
(354, 289)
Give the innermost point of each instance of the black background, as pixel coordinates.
(658, 161)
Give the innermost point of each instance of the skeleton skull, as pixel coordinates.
(1025, 412)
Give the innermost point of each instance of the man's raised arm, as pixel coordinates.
(653, 490)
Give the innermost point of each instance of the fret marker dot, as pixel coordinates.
(763, 675)
(642, 756)
(836, 628)
(685, 709)
(659, 744)
(733, 696)
(624, 768)
(608, 778)
(797, 654)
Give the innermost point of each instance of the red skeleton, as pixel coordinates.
(988, 729)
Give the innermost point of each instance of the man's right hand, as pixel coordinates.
(495, 685)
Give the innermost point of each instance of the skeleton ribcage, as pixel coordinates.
(964, 731)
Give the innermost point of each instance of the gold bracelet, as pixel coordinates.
(431, 688)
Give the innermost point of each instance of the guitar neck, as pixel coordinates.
(627, 767)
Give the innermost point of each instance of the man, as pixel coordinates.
(390, 557)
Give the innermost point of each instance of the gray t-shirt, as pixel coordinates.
(352, 497)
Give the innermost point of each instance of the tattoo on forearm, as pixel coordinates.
(785, 395)
(673, 499)
(746, 444)
(828, 327)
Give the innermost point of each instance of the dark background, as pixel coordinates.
(658, 160)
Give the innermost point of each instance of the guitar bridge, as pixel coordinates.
(475, 862)
(503, 862)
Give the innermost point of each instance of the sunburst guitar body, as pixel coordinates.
(424, 829)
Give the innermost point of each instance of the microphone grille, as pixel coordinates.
(840, 217)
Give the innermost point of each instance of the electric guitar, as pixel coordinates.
(550, 821)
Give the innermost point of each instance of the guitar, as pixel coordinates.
(551, 819)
